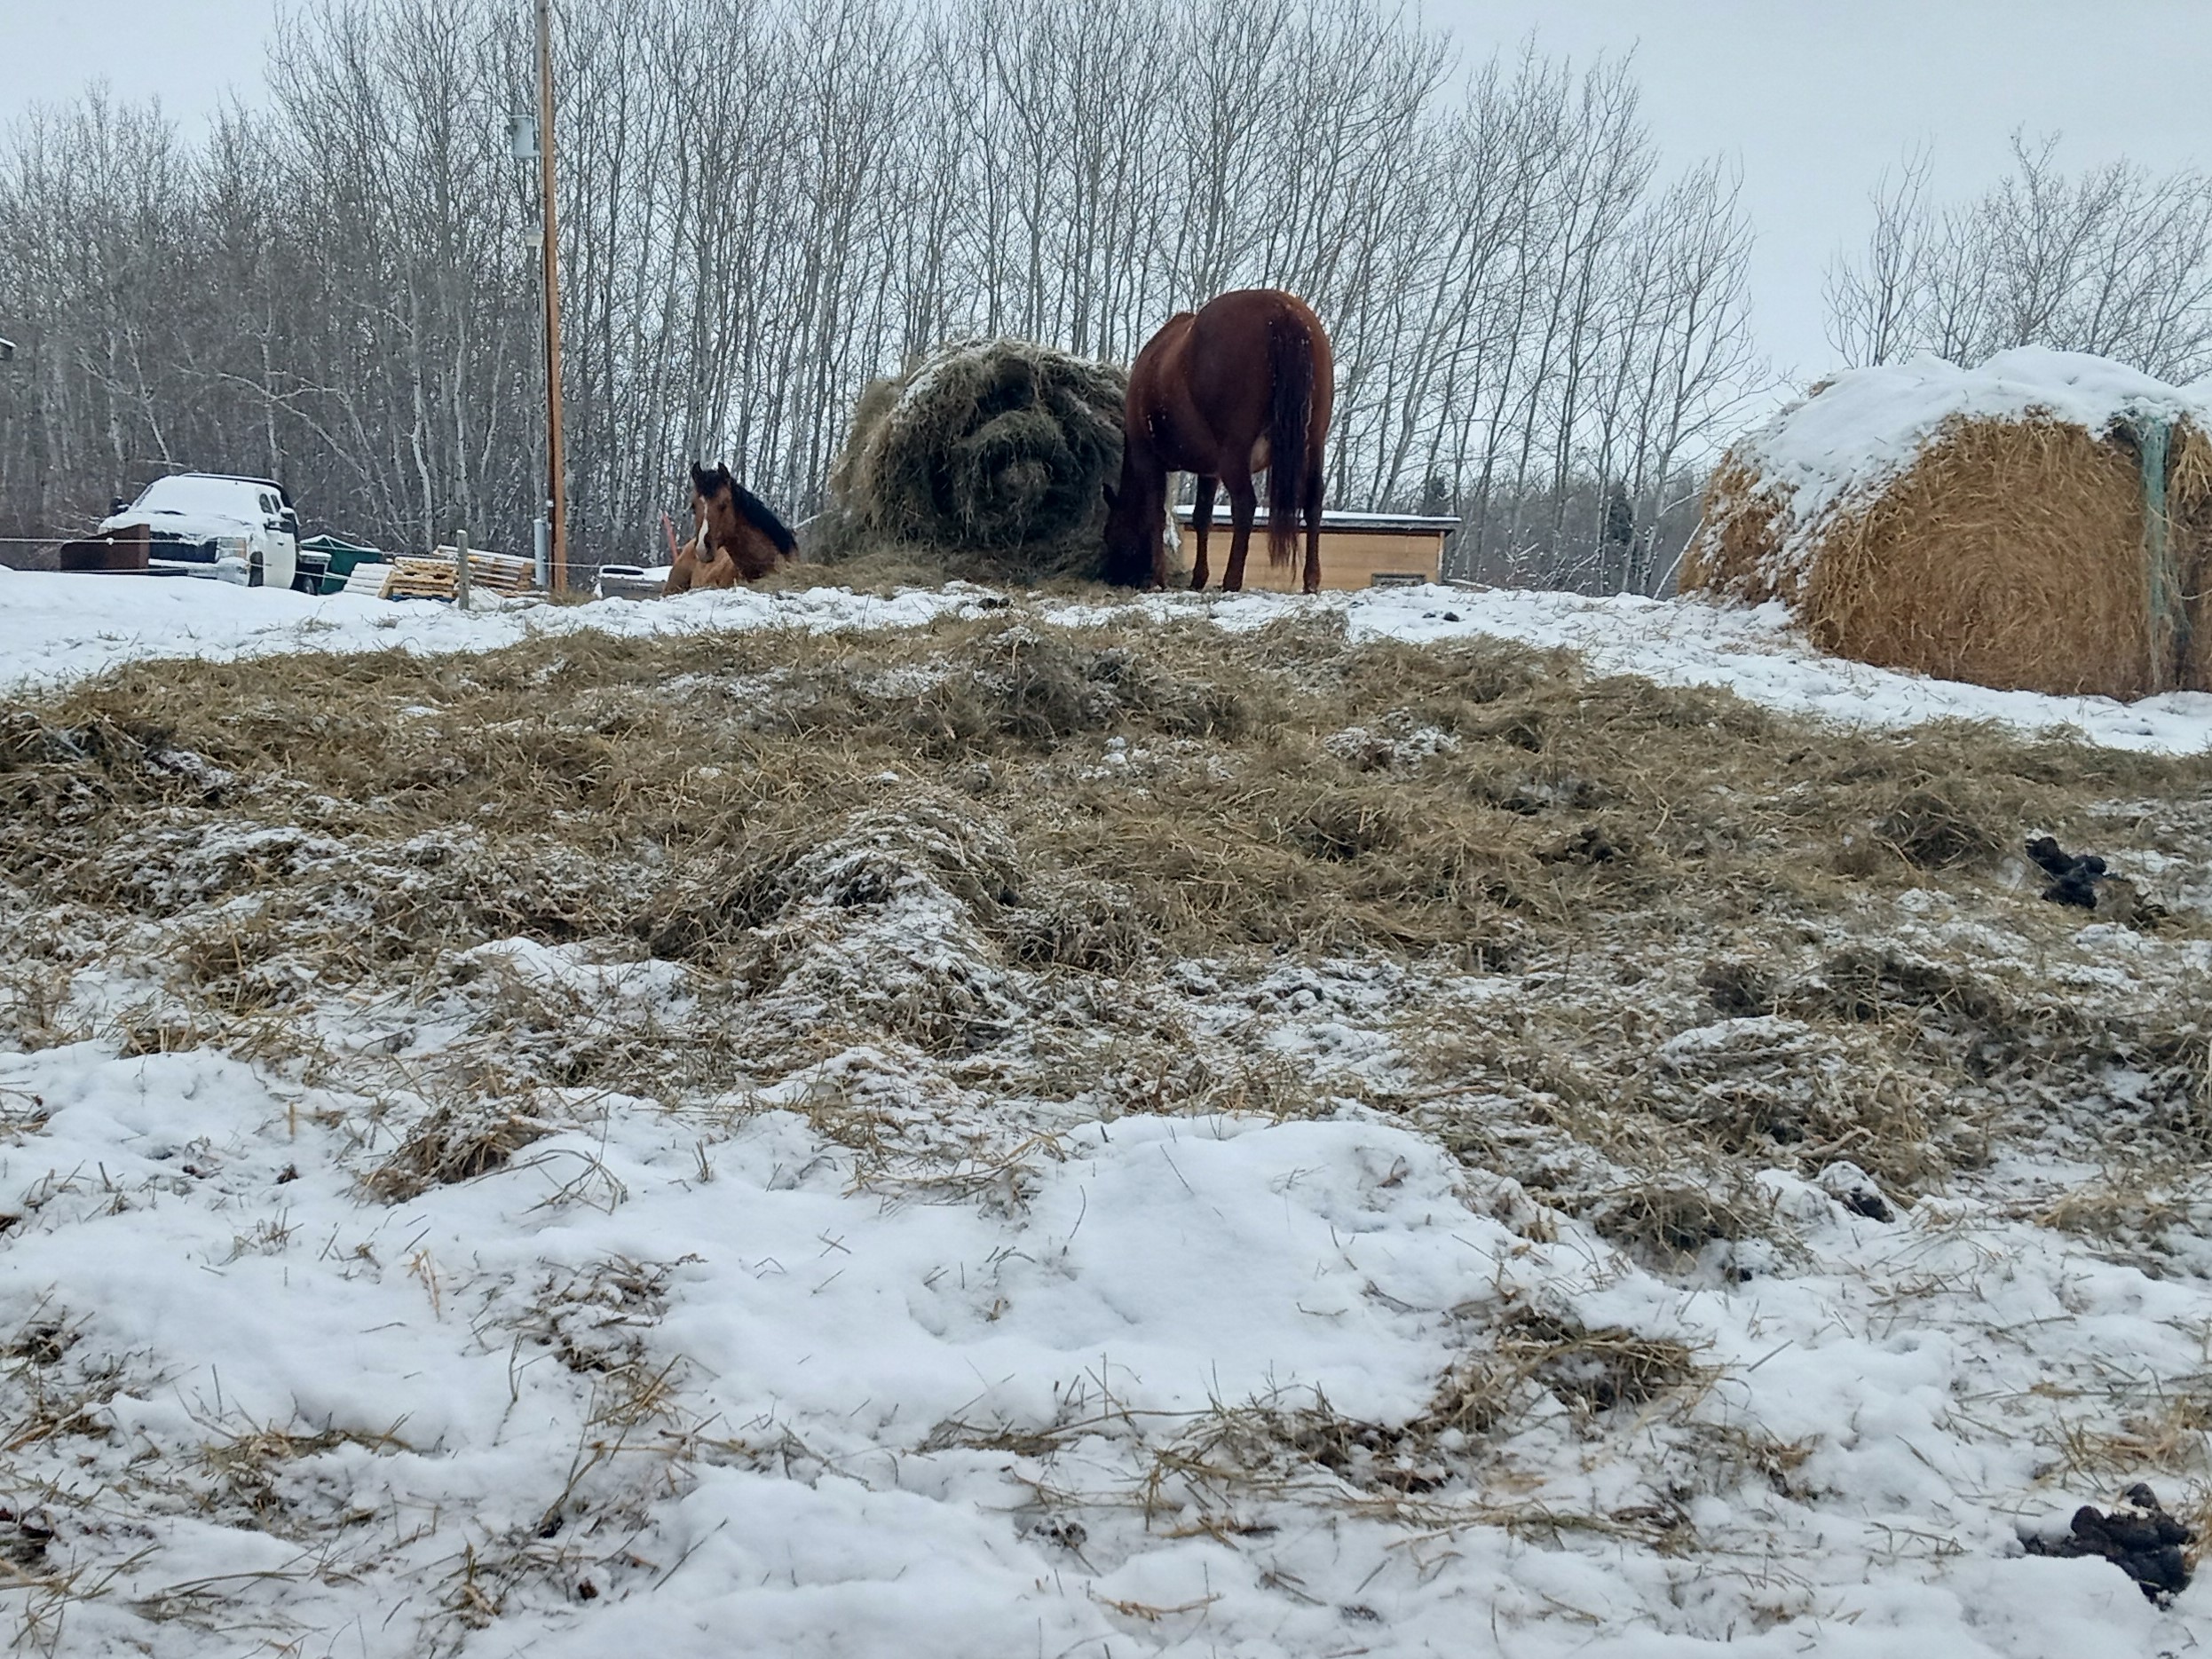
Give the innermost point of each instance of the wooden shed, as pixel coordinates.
(1357, 550)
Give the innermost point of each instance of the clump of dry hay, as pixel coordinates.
(1789, 1095)
(1671, 1218)
(1945, 824)
(451, 1145)
(990, 458)
(2010, 551)
(1534, 1356)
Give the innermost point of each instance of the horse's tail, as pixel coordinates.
(764, 520)
(1290, 368)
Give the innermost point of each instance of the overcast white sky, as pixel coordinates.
(1814, 98)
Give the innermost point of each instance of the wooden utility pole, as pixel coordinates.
(556, 494)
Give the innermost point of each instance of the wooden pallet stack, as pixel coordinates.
(432, 577)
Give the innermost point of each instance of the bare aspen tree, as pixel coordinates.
(768, 202)
(2114, 260)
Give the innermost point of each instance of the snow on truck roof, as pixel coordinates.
(187, 490)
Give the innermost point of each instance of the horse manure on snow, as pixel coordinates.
(2073, 877)
(2135, 1535)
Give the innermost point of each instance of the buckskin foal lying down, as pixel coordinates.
(735, 536)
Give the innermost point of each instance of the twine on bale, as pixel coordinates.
(989, 458)
(2168, 614)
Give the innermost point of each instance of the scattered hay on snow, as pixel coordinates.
(912, 910)
(1780, 1091)
(1070, 920)
(453, 1143)
(1671, 1218)
(881, 925)
(1528, 1362)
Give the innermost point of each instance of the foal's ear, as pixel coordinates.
(699, 477)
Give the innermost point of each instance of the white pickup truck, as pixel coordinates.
(206, 524)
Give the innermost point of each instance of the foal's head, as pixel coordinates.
(713, 507)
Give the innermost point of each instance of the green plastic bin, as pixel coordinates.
(343, 557)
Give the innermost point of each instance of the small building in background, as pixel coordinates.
(1357, 550)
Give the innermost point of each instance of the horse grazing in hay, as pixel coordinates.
(1245, 385)
(734, 535)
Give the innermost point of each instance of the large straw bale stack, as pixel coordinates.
(989, 458)
(2042, 523)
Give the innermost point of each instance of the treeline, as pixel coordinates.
(764, 204)
(2115, 260)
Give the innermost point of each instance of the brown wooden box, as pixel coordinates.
(123, 550)
(1357, 550)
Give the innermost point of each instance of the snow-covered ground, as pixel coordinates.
(54, 628)
(678, 1386)
(908, 1350)
(57, 628)
(1750, 650)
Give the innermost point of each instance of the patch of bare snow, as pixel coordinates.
(56, 628)
(831, 1460)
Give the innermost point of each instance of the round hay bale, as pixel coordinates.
(990, 457)
(1998, 526)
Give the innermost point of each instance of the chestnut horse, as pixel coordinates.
(1245, 385)
(734, 536)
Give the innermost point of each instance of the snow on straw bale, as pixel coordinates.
(1986, 524)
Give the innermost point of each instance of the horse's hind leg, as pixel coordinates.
(1243, 501)
(1201, 516)
(1313, 524)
